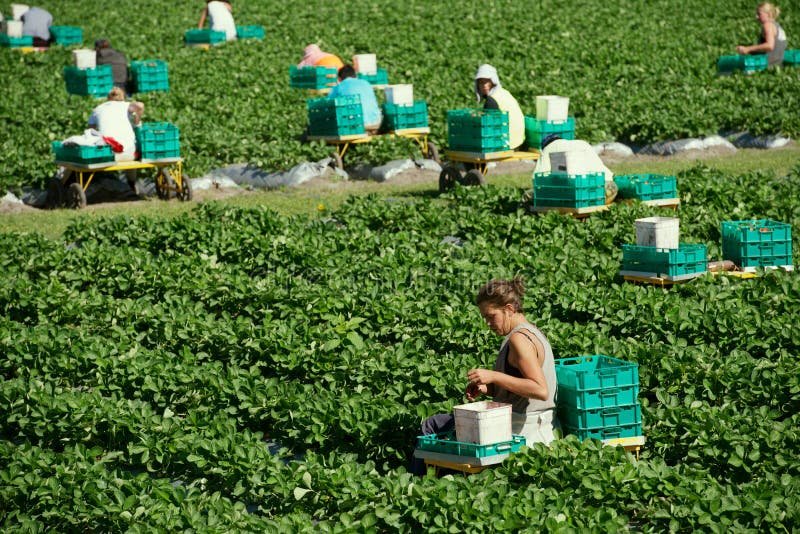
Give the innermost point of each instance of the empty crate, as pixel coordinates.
(397, 117)
(8, 41)
(745, 63)
(757, 243)
(652, 261)
(447, 444)
(66, 35)
(158, 140)
(477, 130)
(149, 75)
(89, 82)
(568, 190)
(791, 58)
(203, 36)
(249, 32)
(82, 154)
(483, 422)
(335, 117)
(312, 77)
(379, 77)
(595, 372)
(646, 186)
(536, 130)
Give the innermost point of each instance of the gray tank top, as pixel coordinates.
(520, 404)
(776, 56)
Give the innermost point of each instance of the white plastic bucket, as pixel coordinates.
(14, 29)
(365, 64)
(659, 232)
(400, 95)
(17, 10)
(85, 58)
(483, 422)
(552, 108)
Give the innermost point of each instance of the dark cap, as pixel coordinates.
(549, 138)
(102, 43)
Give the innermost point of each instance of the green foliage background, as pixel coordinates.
(635, 72)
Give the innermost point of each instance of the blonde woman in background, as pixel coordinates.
(773, 39)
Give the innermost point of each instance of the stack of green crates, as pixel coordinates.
(149, 75)
(15, 42)
(536, 130)
(89, 82)
(381, 77)
(597, 397)
(158, 140)
(477, 130)
(757, 243)
(335, 117)
(204, 36)
(82, 154)
(646, 186)
(791, 58)
(312, 77)
(66, 35)
(687, 259)
(568, 190)
(742, 62)
(403, 117)
(249, 32)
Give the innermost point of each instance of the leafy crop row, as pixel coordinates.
(634, 72)
(232, 369)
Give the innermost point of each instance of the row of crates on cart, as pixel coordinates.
(154, 141)
(60, 35)
(749, 244)
(754, 62)
(342, 116)
(597, 398)
(211, 37)
(145, 76)
(585, 190)
(322, 78)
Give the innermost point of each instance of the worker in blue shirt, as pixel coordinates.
(349, 85)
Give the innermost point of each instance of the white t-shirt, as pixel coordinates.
(221, 20)
(111, 119)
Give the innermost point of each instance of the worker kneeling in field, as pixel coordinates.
(313, 56)
(36, 23)
(573, 157)
(524, 372)
(487, 87)
(119, 63)
(350, 85)
(115, 119)
(772, 41)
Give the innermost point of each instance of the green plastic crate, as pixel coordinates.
(312, 77)
(594, 372)
(568, 190)
(614, 416)
(610, 432)
(149, 75)
(66, 35)
(757, 243)
(646, 186)
(686, 259)
(82, 154)
(401, 117)
(742, 62)
(89, 82)
(381, 77)
(590, 399)
(158, 140)
(15, 42)
(334, 117)
(791, 58)
(249, 32)
(477, 130)
(537, 130)
(204, 36)
(445, 444)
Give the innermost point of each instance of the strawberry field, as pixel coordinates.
(635, 72)
(236, 370)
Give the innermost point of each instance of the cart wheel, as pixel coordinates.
(448, 178)
(55, 193)
(336, 161)
(433, 152)
(474, 177)
(76, 197)
(164, 184)
(185, 193)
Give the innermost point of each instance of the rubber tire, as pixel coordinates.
(185, 194)
(164, 184)
(55, 194)
(474, 177)
(76, 197)
(448, 178)
(433, 152)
